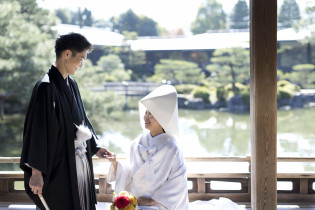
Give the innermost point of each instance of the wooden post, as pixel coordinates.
(4, 186)
(102, 183)
(263, 103)
(201, 185)
(303, 186)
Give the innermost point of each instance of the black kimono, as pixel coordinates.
(48, 141)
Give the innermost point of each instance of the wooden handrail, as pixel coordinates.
(9, 159)
(193, 159)
(201, 183)
(19, 174)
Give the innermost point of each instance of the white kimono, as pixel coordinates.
(156, 170)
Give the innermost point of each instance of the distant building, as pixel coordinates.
(296, 53)
(188, 47)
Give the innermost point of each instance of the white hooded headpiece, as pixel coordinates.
(162, 103)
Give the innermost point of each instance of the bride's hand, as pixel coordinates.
(103, 153)
(112, 159)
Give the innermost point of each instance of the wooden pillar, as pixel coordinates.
(263, 103)
(201, 185)
(102, 183)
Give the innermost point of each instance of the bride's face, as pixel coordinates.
(152, 124)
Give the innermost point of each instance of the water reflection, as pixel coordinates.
(212, 133)
(204, 133)
(221, 134)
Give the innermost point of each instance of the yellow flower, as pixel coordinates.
(129, 207)
(112, 207)
(133, 200)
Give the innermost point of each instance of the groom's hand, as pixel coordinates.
(103, 153)
(36, 182)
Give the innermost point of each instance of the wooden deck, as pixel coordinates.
(202, 186)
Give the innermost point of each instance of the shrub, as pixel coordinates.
(285, 89)
(302, 75)
(221, 94)
(282, 94)
(185, 89)
(304, 67)
(201, 92)
(101, 103)
(245, 92)
(239, 87)
(229, 89)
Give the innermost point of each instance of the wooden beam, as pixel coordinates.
(263, 100)
(189, 159)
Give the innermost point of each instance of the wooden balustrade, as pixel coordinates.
(202, 184)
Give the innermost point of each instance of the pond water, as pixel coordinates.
(206, 133)
(212, 133)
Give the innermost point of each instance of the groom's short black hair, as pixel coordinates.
(72, 41)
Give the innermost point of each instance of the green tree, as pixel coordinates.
(289, 14)
(91, 77)
(64, 15)
(147, 27)
(230, 66)
(310, 13)
(82, 18)
(302, 75)
(130, 21)
(113, 68)
(133, 60)
(210, 17)
(97, 103)
(307, 22)
(26, 52)
(199, 57)
(177, 71)
(240, 15)
(108, 68)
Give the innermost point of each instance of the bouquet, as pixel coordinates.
(124, 200)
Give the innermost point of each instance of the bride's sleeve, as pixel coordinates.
(174, 193)
(121, 176)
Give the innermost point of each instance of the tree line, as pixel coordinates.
(26, 52)
(210, 16)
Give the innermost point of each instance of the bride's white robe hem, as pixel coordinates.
(156, 170)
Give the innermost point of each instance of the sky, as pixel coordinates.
(170, 14)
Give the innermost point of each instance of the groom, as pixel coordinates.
(49, 158)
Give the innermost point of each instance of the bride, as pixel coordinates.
(155, 172)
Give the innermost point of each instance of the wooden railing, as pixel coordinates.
(202, 185)
(129, 88)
